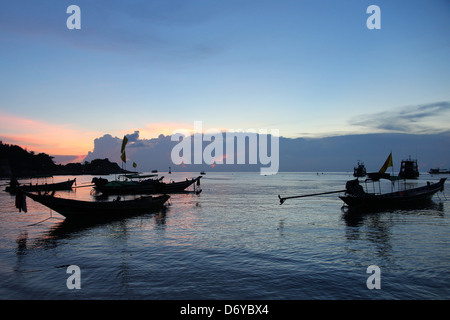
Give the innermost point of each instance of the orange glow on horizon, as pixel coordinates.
(72, 141)
(38, 136)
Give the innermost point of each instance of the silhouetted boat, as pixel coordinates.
(139, 176)
(359, 170)
(439, 171)
(147, 186)
(356, 198)
(77, 209)
(180, 186)
(65, 185)
(409, 169)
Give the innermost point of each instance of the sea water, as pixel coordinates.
(233, 241)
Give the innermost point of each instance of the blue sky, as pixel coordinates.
(307, 68)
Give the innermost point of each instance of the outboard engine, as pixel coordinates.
(99, 182)
(353, 188)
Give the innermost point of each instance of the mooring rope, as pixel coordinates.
(51, 217)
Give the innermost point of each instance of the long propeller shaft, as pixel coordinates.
(282, 200)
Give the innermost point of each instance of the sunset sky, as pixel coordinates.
(307, 68)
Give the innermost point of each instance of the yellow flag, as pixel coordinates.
(387, 164)
(134, 165)
(123, 157)
(124, 143)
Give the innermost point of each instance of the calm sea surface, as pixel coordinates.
(233, 241)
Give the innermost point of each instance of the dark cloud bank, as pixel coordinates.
(421, 119)
(331, 154)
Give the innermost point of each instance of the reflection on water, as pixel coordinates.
(22, 243)
(67, 229)
(380, 228)
(354, 217)
(233, 241)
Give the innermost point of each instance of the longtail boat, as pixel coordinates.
(356, 198)
(147, 186)
(141, 185)
(65, 185)
(78, 209)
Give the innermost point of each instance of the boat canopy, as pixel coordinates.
(136, 176)
(376, 176)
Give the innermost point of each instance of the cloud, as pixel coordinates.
(329, 154)
(106, 146)
(419, 119)
(147, 153)
(133, 137)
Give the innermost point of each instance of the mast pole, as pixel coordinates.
(393, 181)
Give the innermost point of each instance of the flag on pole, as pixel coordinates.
(123, 156)
(387, 164)
(124, 143)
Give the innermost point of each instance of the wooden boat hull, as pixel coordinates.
(76, 209)
(65, 185)
(399, 199)
(173, 187)
(145, 187)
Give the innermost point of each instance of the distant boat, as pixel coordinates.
(359, 170)
(65, 185)
(409, 169)
(439, 171)
(202, 173)
(77, 209)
